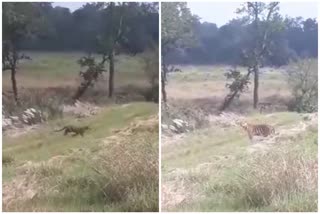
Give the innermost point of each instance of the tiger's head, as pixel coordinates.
(243, 124)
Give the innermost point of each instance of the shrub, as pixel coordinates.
(303, 82)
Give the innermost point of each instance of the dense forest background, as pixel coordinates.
(63, 30)
(295, 38)
(99, 30)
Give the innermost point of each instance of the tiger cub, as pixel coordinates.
(257, 130)
(73, 129)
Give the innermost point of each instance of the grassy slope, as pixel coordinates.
(43, 144)
(201, 170)
(211, 160)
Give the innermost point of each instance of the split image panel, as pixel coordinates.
(239, 111)
(80, 106)
(238, 103)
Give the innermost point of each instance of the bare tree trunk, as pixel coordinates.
(230, 97)
(256, 88)
(228, 101)
(81, 91)
(111, 74)
(14, 84)
(163, 87)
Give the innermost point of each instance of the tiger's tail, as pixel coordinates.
(60, 129)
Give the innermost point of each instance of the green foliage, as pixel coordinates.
(176, 32)
(93, 69)
(290, 38)
(18, 24)
(18, 20)
(303, 81)
(176, 26)
(239, 82)
(95, 25)
(90, 75)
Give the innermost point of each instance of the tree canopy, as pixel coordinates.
(81, 30)
(297, 37)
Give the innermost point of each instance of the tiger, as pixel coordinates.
(257, 129)
(73, 129)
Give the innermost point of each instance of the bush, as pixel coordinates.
(303, 82)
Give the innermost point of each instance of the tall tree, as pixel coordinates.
(261, 18)
(176, 32)
(18, 22)
(122, 29)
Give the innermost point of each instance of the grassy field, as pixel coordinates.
(114, 167)
(56, 75)
(58, 69)
(205, 85)
(63, 167)
(216, 168)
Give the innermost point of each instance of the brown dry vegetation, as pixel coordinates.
(204, 86)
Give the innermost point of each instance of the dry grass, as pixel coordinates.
(204, 87)
(118, 174)
(280, 180)
(217, 169)
(196, 118)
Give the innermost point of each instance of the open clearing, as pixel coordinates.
(215, 167)
(58, 69)
(113, 167)
(56, 74)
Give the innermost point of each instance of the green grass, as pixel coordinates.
(45, 143)
(46, 63)
(74, 185)
(61, 68)
(215, 160)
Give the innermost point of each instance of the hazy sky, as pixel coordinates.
(71, 5)
(221, 13)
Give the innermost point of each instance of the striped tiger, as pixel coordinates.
(257, 129)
